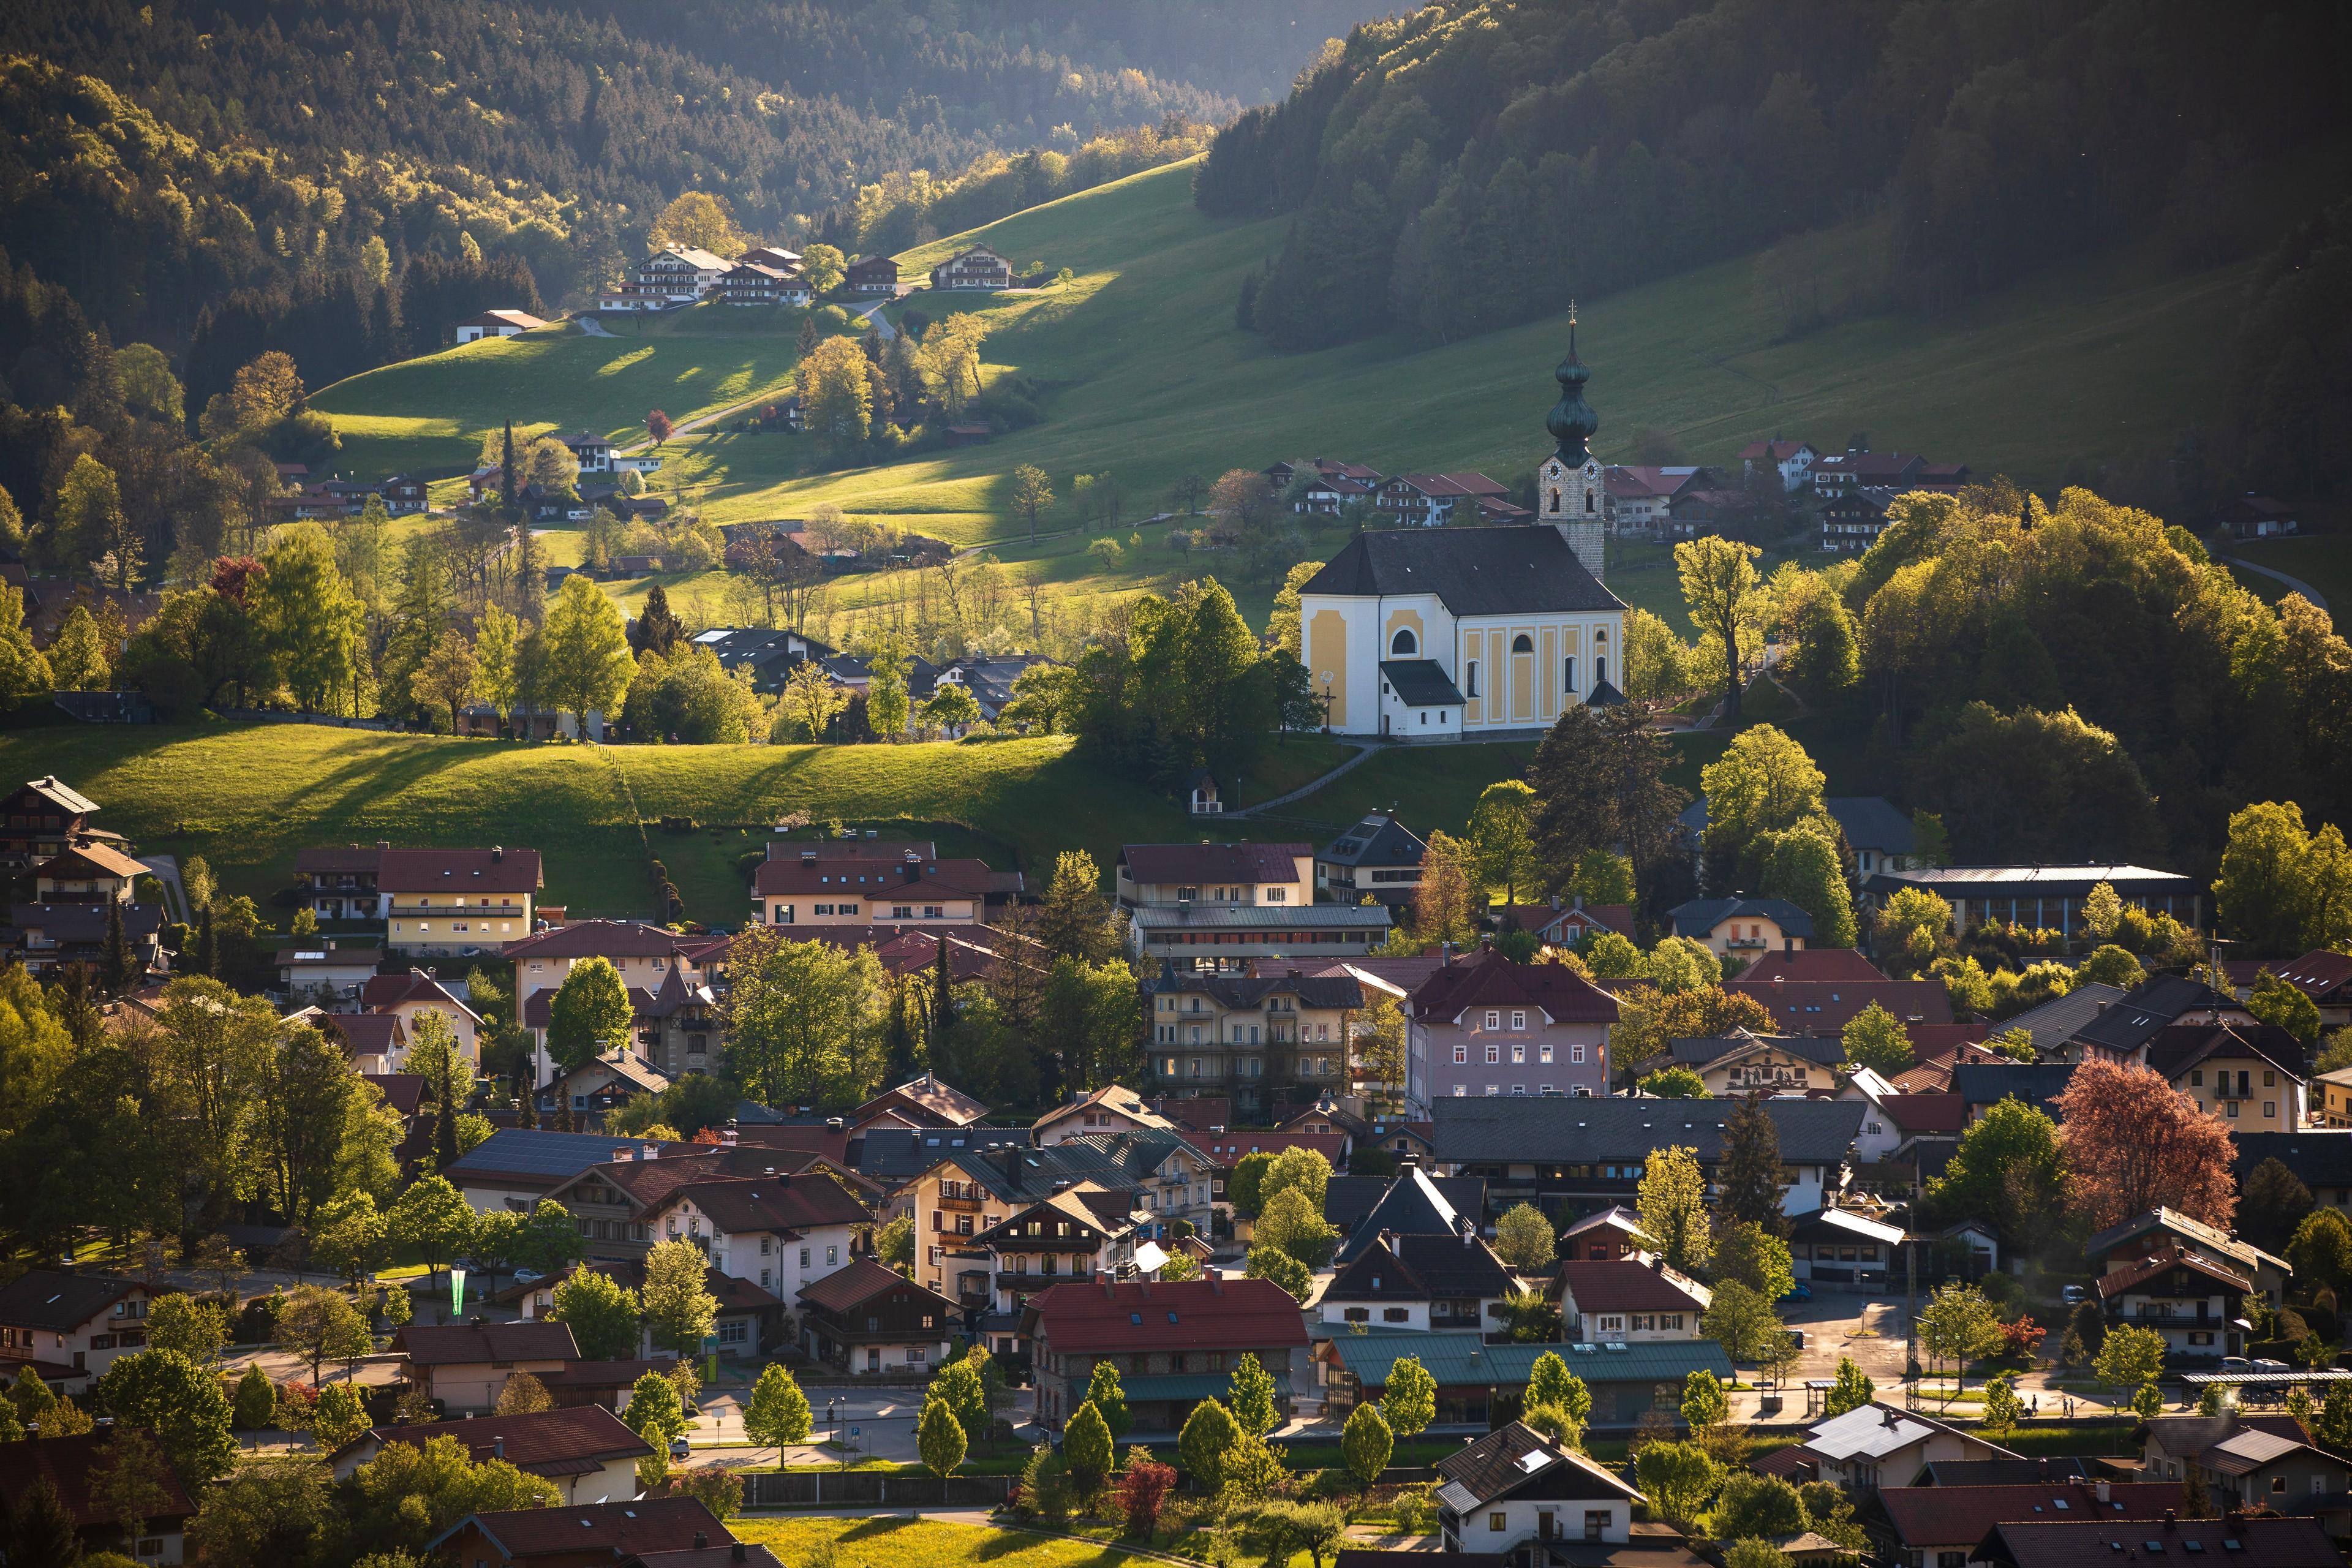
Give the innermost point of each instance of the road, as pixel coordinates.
(2294, 585)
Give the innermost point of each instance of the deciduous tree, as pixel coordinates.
(604, 1314)
(1671, 1201)
(1524, 1238)
(588, 662)
(177, 1400)
(590, 1016)
(1722, 592)
(678, 1307)
(939, 1439)
(1876, 1038)
(1209, 1434)
(2133, 1143)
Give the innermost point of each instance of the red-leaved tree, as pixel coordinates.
(657, 426)
(1143, 1487)
(2133, 1143)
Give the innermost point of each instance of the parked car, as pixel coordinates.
(1796, 1338)
(2074, 1294)
(680, 1450)
(528, 1277)
(1800, 1291)
(2238, 1364)
(2264, 1364)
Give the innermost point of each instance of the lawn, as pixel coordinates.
(894, 1542)
(2322, 560)
(248, 796)
(427, 414)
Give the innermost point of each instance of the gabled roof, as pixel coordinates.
(1192, 865)
(1872, 822)
(2183, 1436)
(365, 1034)
(54, 1300)
(534, 1152)
(1699, 917)
(102, 858)
(1511, 570)
(778, 1203)
(1489, 979)
(1111, 1097)
(1224, 1150)
(1825, 1007)
(2133, 1022)
(64, 796)
(1624, 1285)
(946, 1104)
(382, 992)
(402, 1091)
(1712, 1050)
(1413, 1206)
(861, 1280)
(1462, 1360)
(2054, 1022)
(2122, 1281)
(1348, 1202)
(76, 1469)
(1420, 683)
(444, 1345)
(575, 1441)
(2175, 1050)
(1421, 1269)
(2038, 1084)
(1956, 1515)
(602, 939)
(2256, 1542)
(2316, 973)
(1524, 1129)
(1182, 1314)
(1878, 1429)
(1335, 988)
(879, 880)
(581, 1530)
(1518, 1461)
(459, 871)
(1808, 966)
(2318, 1157)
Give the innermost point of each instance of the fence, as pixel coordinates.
(851, 1488)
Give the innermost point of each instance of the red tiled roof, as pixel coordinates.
(1808, 964)
(1192, 865)
(1188, 1314)
(649, 1524)
(402, 1091)
(1618, 918)
(367, 1034)
(68, 1463)
(1929, 1112)
(569, 1442)
(859, 1281)
(1825, 1007)
(872, 879)
(1226, 1149)
(1927, 1516)
(459, 870)
(337, 860)
(777, 1203)
(602, 939)
(2316, 973)
(381, 992)
(1489, 979)
(1624, 1284)
(446, 1345)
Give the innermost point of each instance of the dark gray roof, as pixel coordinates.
(2319, 1159)
(1872, 822)
(1245, 991)
(1378, 840)
(2054, 1022)
(1413, 1205)
(530, 1152)
(2015, 1472)
(1534, 1129)
(1420, 683)
(1826, 1049)
(1507, 570)
(2134, 1019)
(1012, 1171)
(1700, 916)
(53, 1299)
(1989, 1083)
(894, 1154)
(1348, 1200)
(1420, 1268)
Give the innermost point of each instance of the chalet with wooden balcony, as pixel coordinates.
(866, 1318)
(1258, 1040)
(1082, 1234)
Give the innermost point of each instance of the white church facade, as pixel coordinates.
(1436, 634)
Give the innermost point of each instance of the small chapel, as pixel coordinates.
(1426, 634)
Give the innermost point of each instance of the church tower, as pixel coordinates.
(1568, 488)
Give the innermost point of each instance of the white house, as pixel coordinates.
(1515, 1487)
(1429, 634)
(497, 325)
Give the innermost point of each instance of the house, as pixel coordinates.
(1227, 1147)
(1422, 1282)
(412, 995)
(676, 274)
(1215, 906)
(1430, 501)
(2324, 976)
(516, 1166)
(456, 901)
(2049, 897)
(990, 678)
(585, 1450)
(581, 1533)
(2321, 1161)
(1842, 1246)
(871, 275)
(1278, 477)
(814, 888)
(668, 977)
(466, 1365)
(1624, 1300)
(1326, 493)
(1854, 517)
(1173, 1343)
(2238, 1072)
(864, 1318)
(1379, 857)
(404, 495)
(1592, 1151)
(2054, 1022)
(1410, 1203)
(1744, 927)
(1257, 1039)
(41, 937)
(1637, 500)
(1604, 1235)
(1940, 1524)
(1556, 924)
(771, 654)
(376, 1043)
(90, 873)
(1107, 1109)
(600, 1084)
(2127, 1245)
(1084, 1232)
(783, 1231)
(1479, 1382)
(1881, 837)
(2252, 516)
(340, 884)
(2249, 1461)
(979, 267)
(2193, 1299)
(1859, 466)
(2048, 1543)
(1201, 797)
(1740, 1064)
(751, 283)
(41, 819)
(1826, 1007)
(68, 1328)
(79, 1470)
(497, 325)
(925, 1102)
(1515, 1490)
(1478, 1025)
(2127, 1030)
(973, 1179)
(327, 973)
(1788, 462)
(1876, 1444)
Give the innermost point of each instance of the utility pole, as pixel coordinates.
(1911, 1319)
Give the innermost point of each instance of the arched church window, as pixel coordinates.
(1588, 501)
(1403, 646)
(1523, 644)
(1555, 500)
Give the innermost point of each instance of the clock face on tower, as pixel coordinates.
(1591, 470)
(1552, 471)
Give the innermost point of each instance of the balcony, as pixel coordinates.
(458, 911)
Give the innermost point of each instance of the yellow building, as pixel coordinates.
(456, 901)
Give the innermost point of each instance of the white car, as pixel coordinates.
(680, 1450)
(528, 1277)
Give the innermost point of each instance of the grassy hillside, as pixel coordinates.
(2324, 560)
(427, 414)
(248, 796)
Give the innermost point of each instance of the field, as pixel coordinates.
(2324, 560)
(248, 796)
(426, 415)
(1143, 374)
(888, 1541)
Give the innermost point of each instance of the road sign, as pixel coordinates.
(856, 1431)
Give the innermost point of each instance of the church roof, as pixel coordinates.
(1505, 571)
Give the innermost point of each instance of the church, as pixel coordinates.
(1425, 634)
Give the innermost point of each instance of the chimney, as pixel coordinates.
(652, 1151)
(1407, 1162)
(1889, 1417)
(2169, 1522)
(1216, 1282)
(701, 1541)
(738, 1552)
(498, 853)
(2100, 1491)
(498, 1448)
(767, 1170)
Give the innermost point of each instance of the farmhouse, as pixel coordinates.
(871, 275)
(41, 819)
(1173, 1344)
(979, 267)
(497, 325)
(68, 1328)
(79, 1469)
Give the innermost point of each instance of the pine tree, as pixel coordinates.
(942, 1005)
(42, 1531)
(657, 630)
(1750, 1178)
(529, 576)
(207, 946)
(444, 1129)
(118, 970)
(898, 1035)
(507, 473)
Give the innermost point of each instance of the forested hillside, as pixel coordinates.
(156, 159)
(1469, 166)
